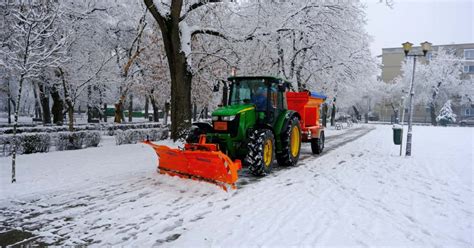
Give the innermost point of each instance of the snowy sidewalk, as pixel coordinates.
(362, 194)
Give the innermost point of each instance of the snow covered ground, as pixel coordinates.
(359, 192)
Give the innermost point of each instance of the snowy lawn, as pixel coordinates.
(68, 170)
(359, 194)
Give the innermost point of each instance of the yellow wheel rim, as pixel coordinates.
(267, 152)
(295, 141)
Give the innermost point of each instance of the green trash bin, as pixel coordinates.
(397, 134)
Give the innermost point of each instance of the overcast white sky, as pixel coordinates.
(437, 21)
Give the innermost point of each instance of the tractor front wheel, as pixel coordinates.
(290, 143)
(317, 144)
(261, 152)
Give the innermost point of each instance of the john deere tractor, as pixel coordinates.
(254, 124)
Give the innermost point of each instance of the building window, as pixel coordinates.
(469, 69)
(469, 54)
(467, 112)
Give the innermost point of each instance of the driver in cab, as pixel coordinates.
(260, 99)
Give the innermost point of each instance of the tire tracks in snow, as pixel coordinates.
(332, 142)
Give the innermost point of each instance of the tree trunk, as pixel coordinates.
(167, 110)
(38, 114)
(15, 127)
(146, 107)
(70, 115)
(9, 99)
(44, 98)
(433, 114)
(119, 110)
(130, 108)
(105, 112)
(180, 91)
(58, 106)
(356, 111)
(325, 114)
(394, 117)
(433, 104)
(89, 105)
(180, 70)
(69, 103)
(155, 110)
(98, 107)
(333, 114)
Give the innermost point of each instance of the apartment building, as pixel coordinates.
(392, 59)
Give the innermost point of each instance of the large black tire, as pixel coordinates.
(259, 160)
(291, 144)
(317, 144)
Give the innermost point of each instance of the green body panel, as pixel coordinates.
(249, 119)
(232, 109)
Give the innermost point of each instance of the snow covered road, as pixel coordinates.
(357, 193)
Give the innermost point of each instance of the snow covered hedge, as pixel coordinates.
(112, 128)
(26, 143)
(133, 136)
(41, 142)
(5, 125)
(50, 129)
(77, 140)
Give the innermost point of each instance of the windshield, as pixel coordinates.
(254, 91)
(243, 91)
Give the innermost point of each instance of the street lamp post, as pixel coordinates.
(402, 108)
(425, 46)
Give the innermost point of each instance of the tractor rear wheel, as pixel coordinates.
(317, 144)
(261, 152)
(290, 143)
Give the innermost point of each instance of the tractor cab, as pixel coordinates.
(266, 94)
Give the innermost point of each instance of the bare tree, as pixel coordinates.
(34, 46)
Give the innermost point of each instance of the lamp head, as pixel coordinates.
(425, 46)
(407, 47)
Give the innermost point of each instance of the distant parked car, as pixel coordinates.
(467, 122)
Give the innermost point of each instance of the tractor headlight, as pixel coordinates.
(228, 118)
(215, 118)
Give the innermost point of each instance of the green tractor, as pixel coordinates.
(254, 124)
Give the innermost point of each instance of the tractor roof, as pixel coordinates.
(271, 78)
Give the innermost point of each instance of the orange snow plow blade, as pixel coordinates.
(198, 161)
